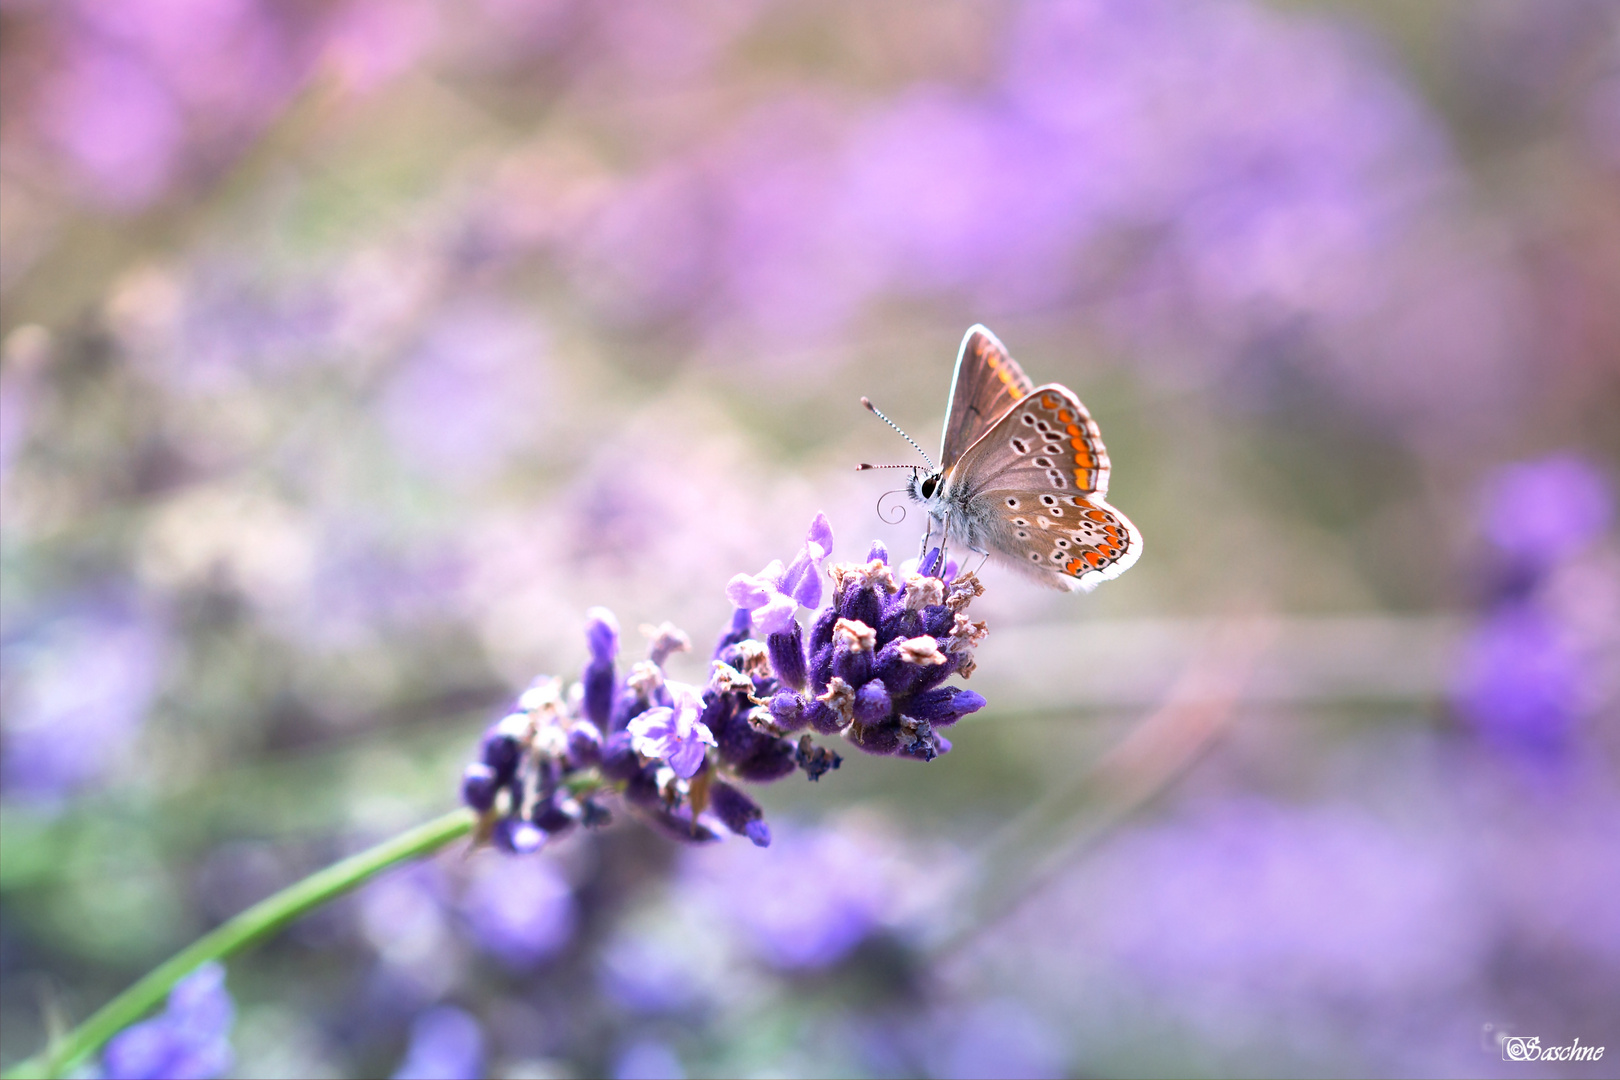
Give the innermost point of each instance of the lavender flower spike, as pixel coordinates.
(872, 667)
(674, 735)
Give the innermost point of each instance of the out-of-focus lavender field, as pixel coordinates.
(352, 350)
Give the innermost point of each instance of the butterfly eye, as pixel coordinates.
(928, 486)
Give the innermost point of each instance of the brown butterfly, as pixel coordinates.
(1023, 473)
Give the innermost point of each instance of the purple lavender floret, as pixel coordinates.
(872, 668)
(189, 1040)
(602, 636)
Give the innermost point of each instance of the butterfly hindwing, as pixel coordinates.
(1072, 541)
(1032, 490)
(986, 384)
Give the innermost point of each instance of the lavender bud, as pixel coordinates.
(739, 813)
(517, 837)
(501, 751)
(937, 620)
(821, 668)
(599, 680)
(788, 711)
(862, 605)
(878, 552)
(478, 787)
(787, 657)
(823, 717)
(881, 738)
(680, 827)
(852, 665)
(725, 721)
(584, 744)
(602, 635)
(871, 703)
(899, 621)
(821, 631)
(551, 817)
(945, 705)
(619, 758)
(770, 759)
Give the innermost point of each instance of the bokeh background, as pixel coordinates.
(352, 349)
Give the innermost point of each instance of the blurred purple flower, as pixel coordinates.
(1601, 120)
(994, 1039)
(674, 734)
(116, 122)
(404, 916)
(785, 240)
(75, 696)
(647, 253)
(520, 911)
(805, 902)
(1253, 896)
(1520, 681)
(472, 393)
(189, 1040)
(1541, 512)
(647, 1059)
(647, 977)
(950, 191)
(446, 1044)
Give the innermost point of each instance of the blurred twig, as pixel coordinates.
(1023, 856)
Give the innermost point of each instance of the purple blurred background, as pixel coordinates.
(352, 350)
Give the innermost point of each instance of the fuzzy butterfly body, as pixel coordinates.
(1023, 474)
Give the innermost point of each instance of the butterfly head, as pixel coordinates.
(921, 486)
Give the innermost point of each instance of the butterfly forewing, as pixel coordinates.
(987, 383)
(1032, 489)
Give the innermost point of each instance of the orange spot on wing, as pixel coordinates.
(1065, 417)
(1049, 401)
(1093, 558)
(1073, 566)
(1072, 430)
(1082, 477)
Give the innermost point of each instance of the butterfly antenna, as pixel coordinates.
(873, 409)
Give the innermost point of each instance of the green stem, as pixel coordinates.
(256, 922)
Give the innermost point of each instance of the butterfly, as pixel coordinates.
(1023, 474)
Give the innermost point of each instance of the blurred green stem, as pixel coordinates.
(265, 917)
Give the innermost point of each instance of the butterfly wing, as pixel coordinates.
(987, 383)
(1031, 490)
